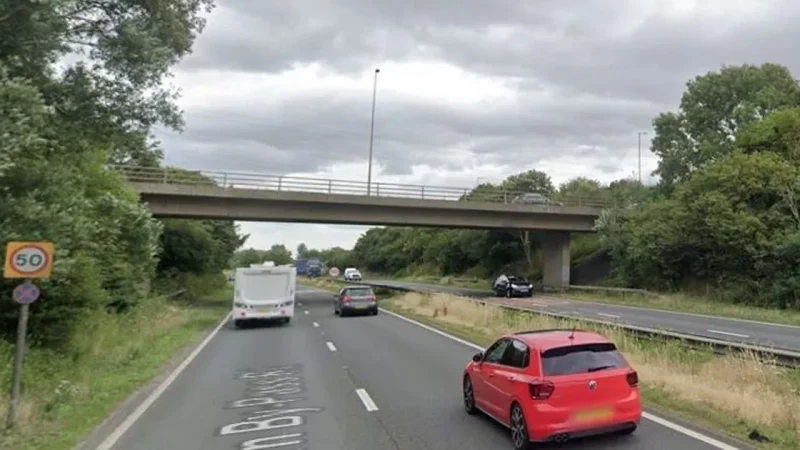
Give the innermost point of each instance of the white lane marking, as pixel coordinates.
(299, 303)
(330, 345)
(112, 439)
(366, 400)
(728, 333)
(613, 316)
(305, 311)
(688, 432)
(316, 325)
(653, 418)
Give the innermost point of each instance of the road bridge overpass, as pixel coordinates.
(174, 193)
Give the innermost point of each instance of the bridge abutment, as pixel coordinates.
(555, 252)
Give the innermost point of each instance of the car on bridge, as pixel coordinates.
(512, 286)
(355, 299)
(553, 385)
(534, 198)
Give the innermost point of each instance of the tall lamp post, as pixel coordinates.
(372, 132)
(641, 133)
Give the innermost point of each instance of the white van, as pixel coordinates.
(352, 274)
(264, 293)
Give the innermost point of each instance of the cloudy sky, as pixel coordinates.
(468, 90)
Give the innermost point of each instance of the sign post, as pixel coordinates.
(28, 261)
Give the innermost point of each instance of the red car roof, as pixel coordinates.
(548, 339)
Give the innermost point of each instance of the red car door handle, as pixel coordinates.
(490, 374)
(511, 378)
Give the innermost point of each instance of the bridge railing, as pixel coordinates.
(280, 183)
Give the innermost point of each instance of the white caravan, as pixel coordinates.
(264, 293)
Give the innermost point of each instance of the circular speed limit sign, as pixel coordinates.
(29, 260)
(334, 272)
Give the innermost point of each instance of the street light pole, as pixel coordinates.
(641, 133)
(372, 132)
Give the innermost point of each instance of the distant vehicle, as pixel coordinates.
(535, 199)
(553, 385)
(264, 293)
(512, 286)
(352, 274)
(355, 299)
(311, 267)
(314, 267)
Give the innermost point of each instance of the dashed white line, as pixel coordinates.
(305, 311)
(366, 400)
(653, 418)
(728, 333)
(613, 316)
(316, 325)
(330, 345)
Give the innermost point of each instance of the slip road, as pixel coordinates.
(744, 331)
(330, 383)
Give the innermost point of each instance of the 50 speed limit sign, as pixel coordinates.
(28, 260)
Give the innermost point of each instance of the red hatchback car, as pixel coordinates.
(553, 385)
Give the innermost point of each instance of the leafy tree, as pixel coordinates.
(278, 253)
(713, 110)
(302, 249)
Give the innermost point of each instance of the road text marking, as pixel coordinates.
(728, 333)
(330, 345)
(366, 400)
(316, 325)
(659, 420)
(112, 439)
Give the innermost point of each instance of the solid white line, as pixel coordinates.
(316, 325)
(688, 432)
(608, 315)
(112, 439)
(653, 418)
(330, 345)
(305, 312)
(366, 400)
(728, 333)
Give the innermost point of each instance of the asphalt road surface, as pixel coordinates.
(331, 383)
(745, 331)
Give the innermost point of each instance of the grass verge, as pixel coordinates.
(735, 394)
(686, 303)
(689, 304)
(68, 393)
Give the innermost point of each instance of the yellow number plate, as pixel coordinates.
(594, 415)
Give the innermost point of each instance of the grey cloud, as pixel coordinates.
(609, 74)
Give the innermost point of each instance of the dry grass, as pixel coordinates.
(744, 389)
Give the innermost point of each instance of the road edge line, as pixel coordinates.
(649, 416)
(129, 421)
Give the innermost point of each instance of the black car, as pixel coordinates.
(512, 286)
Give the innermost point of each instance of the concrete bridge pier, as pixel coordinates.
(555, 253)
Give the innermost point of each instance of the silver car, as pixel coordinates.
(355, 299)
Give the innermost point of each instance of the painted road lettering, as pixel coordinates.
(275, 392)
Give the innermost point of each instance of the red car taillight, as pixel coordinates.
(347, 299)
(633, 379)
(373, 299)
(541, 390)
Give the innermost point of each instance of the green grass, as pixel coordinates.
(685, 303)
(728, 394)
(689, 304)
(68, 393)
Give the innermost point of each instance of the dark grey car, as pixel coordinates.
(355, 299)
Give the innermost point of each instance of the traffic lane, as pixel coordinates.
(433, 288)
(414, 376)
(726, 329)
(731, 330)
(260, 386)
